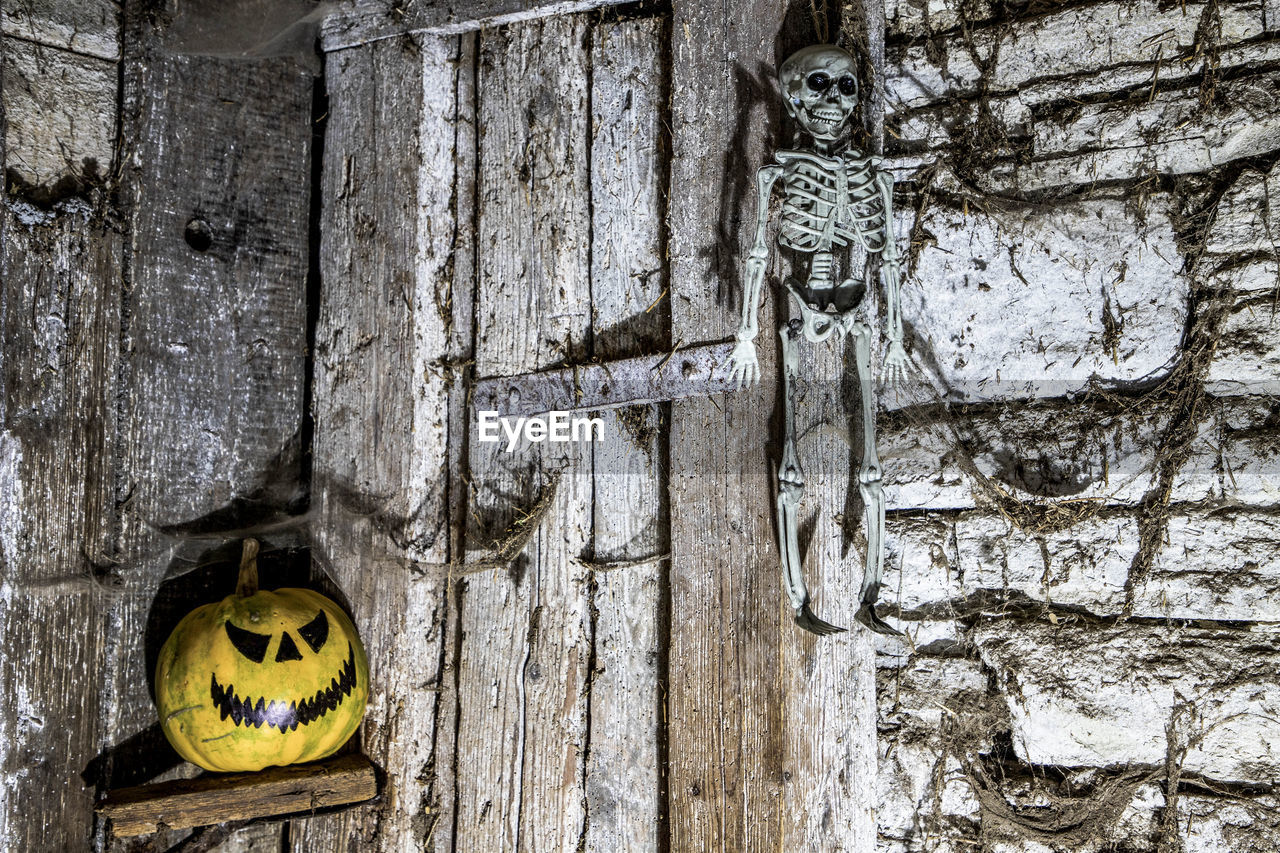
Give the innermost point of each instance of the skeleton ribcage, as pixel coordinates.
(829, 202)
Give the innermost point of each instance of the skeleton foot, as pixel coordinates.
(806, 620)
(790, 488)
(867, 616)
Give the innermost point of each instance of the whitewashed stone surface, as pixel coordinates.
(920, 784)
(1145, 190)
(1216, 566)
(1170, 134)
(1075, 41)
(1084, 565)
(1038, 452)
(1104, 697)
(920, 561)
(937, 636)
(1250, 451)
(1016, 302)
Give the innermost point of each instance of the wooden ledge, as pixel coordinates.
(221, 797)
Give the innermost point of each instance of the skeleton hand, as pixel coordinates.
(746, 370)
(895, 363)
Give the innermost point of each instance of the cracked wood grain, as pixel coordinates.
(381, 408)
(522, 668)
(371, 20)
(60, 284)
(772, 732)
(230, 797)
(628, 276)
(726, 722)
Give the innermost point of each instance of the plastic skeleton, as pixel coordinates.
(835, 196)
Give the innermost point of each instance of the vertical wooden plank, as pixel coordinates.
(725, 725)
(217, 332)
(522, 671)
(60, 283)
(828, 683)
(772, 731)
(60, 286)
(381, 408)
(630, 317)
(214, 343)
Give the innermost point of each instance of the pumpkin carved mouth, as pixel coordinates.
(276, 713)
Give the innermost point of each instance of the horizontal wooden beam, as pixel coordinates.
(372, 20)
(220, 797)
(696, 371)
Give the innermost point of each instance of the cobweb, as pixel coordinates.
(250, 29)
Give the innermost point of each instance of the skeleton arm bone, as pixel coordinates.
(745, 368)
(895, 361)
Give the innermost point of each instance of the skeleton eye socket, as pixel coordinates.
(315, 632)
(848, 85)
(251, 645)
(818, 81)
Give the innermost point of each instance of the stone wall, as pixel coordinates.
(1084, 491)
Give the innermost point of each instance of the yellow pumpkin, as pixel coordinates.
(261, 678)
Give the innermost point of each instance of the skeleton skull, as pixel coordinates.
(820, 87)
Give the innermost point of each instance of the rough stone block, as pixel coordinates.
(1080, 40)
(920, 561)
(1200, 477)
(1030, 451)
(1219, 566)
(1027, 301)
(89, 27)
(923, 790)
(60, 109)
(1106, 697)
(937, 637)
(920, 469)
(1084, 565)
(1247, 358)
(914, 18)
(1250, 452)
(1170, 133)
(1216, 824)
(1242, 224)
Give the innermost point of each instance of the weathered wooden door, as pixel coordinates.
(579, 645)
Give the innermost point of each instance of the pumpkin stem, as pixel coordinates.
(247, 583)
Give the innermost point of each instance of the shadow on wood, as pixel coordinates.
(143, 756)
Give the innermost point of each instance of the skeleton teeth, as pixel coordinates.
(276, 715)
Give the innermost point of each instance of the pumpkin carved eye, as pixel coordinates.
(288, 649)
(251, 645)
(315, 632)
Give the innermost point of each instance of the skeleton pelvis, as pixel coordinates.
(822, 319)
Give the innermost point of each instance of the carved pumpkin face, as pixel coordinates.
(262, 679)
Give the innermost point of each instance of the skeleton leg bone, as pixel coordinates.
(790, 491)
(870, 477)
